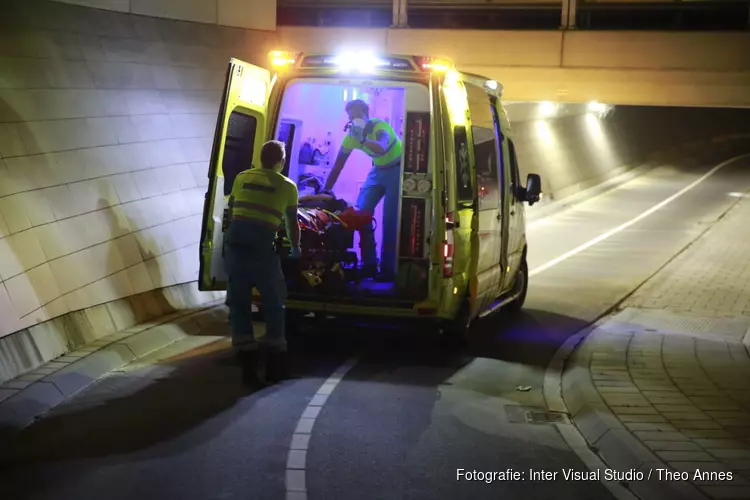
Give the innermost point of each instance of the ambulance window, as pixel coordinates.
(515, 175)
(464, 189)
(238, 148)
(484, 142)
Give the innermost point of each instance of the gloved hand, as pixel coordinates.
(295, 253)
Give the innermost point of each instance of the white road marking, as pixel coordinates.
(296, 463)
(554, 373)
(632, 221)
(296, 486)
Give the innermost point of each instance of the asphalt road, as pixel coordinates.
(179, 424)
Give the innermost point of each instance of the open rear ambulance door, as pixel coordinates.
(240, 132)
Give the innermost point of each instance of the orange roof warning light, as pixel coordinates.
(442, 65)
(280, 58)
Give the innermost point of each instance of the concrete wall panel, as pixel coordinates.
(116, 5)
(332, 40)
(627, 67)
(699, 52)
(465, 47)
(200, 11)
(250, 15)
(635, 68)
(233, 13)
(643, 49)
(106, 121)
(629, 87)
(469, 47)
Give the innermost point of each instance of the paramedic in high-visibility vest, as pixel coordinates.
(261, 199)
(377, 139)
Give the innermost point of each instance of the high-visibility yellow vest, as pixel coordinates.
(391, 157)
(262, 196)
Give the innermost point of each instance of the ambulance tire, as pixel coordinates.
(455, 332)
(522, 281)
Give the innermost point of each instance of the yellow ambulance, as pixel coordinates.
(459, 242)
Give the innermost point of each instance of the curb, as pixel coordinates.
(24, 351)
(607, 436)
(571, 434)
(53, 383)
(601, 436)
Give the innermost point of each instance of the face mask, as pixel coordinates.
(357, 123)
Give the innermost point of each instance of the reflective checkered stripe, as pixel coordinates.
(262, 197)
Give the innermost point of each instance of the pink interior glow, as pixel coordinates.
(318, 111)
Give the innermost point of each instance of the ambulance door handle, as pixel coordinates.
(498, 216)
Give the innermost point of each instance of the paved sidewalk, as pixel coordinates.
(669, 375)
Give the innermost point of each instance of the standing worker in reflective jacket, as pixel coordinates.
(261, 198)
(377, 139)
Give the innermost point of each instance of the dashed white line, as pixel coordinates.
(296, 462)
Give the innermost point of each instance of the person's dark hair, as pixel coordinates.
(272, 153)
(359, 103)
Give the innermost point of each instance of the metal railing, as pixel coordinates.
(519, 14)
(699, 15)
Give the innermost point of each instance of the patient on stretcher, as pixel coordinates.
(327, 227)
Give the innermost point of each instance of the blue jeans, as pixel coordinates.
(249, 267)
(381, 182)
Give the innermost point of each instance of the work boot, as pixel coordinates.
(370, 271)
(250, 361)
(277, 369)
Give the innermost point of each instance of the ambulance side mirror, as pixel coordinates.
(533, 191)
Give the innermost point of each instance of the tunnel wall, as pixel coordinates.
(647, 68)
(106, 121)
(576, 152)
(235, 13)
(675, 68)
